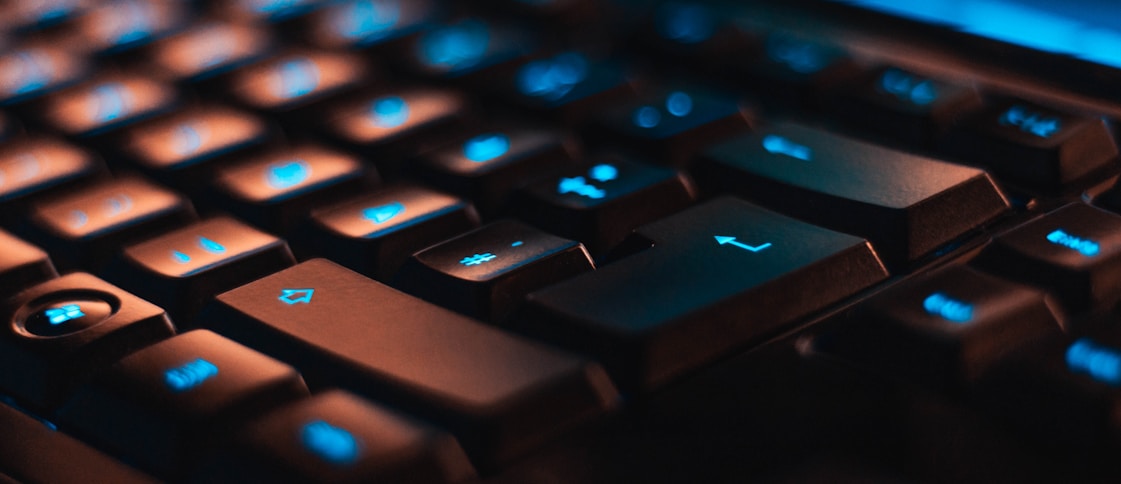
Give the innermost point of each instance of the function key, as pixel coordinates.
(369, 24)
(31, 168)
(182, 269)
(338, 437)
(22, 265)
(471, 49)
(1074, 252)
(671, 126)
(86, 227)
(487, 272)
(1037, 148)
(375, 233)
(30, 71)
(296, 79)
(58, 333)
(600, 201)
(908, 206)
(903, 104)
(487, 167)
(207, 49)
(276, 190)
(119, 25)
(166, 405)
(567, 86)
(182, 149)
(105, 103)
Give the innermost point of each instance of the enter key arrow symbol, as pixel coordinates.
(723, 240)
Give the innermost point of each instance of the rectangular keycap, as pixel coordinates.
(906, 205)
(714, 278)
(499, 394)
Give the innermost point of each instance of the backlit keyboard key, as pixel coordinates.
(369, 24)
(488, 166)
(85, 228)
(1074, 252)
(22, 265)
(296, 79)
(469, 49)
(182, 269)
(38, 14)
(714, 278)
(119, 25)
(487, 272)
(1038, 148)
(600, 201)
(167, 405)
(796, 68)
(33, 70)
(567, 87)
(342, 329)
(33, 167)
(338, 437)
(276, 190)
(207, 49)
(60, 332)
(907, 205)
(105, 103)
(375, 233)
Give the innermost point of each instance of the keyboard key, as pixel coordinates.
(697, 33)
(338, 437)
(946, 329)
(796, 69)
(183, 149)
(341, 329)
(22, 265)
(1073, 252)
(29, 16)
(106, 103)
(670, 126)
(602, 200)
(393, 125)
(276, 190)
(567, 87)
(34, 451)
(369, 24)
(1034, 147)
(296, 79)
(469, 49)
(181, 270)
(375, 233)
(488, 166)
(31, 71)
(208, 49)
(903, 104)
(715, 277)
(166, 405)
(86, 227)
(487, 272)
(60, 332)
(119, 25)
(32, 168)
(908, 206)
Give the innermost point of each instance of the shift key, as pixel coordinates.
(501, 395)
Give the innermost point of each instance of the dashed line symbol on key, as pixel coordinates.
(477, 259)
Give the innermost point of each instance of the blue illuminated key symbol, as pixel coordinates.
(189, 375)
(1099, 362)
(382, 213)
(366, 19)
(553, 78)
(517, 244)
(800, 57)
(330, 443)
(725, 240)
(907, 87)
(477, 259)
(108, 102)
(287, 174)
(63, 314)
(939, 304)
(579, 186)
(679, 104)
(188, 138)
(486, 147)
(782, 146)
(211, 246)
(1030, 122)
(296, 296)
(295, 78)
(455, 47)
(389, 112)
(32, 71)
(117, 204)
(647, 117)
(1083, 246)
(78, 219)
(603, 173)
(180, 257)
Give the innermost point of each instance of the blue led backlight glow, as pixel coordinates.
(30, 71)
(389, 112)
(131, 22)
(287, 174)
(579, 186)
(189, 375)
(1086, 247)
(188, 138)
(296, 296)
(783, 146)
(603, 172)
(383, 213)
(908, 87)
(679, 104)
(726, 240)
(108, 102)
(685, 23)
(180, 257)
(62, 314)
(295, 78)
(1031, 122)
(948, 308)
(455, 47)
(211, 246)
(800, 57)
(367, 20)
(478, 259)
(647, 117)
(486, 147)
(553, 78)
(330, 443)
(1100, 362)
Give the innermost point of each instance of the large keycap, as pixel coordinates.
(906, 205)
(338, 437)
(59, 332)
(714, 278)
(500, 395)
(166, 406)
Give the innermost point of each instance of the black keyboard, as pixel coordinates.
(551, 241)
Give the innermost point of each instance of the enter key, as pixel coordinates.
(715, 278)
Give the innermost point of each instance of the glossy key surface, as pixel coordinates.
(499, 394)
(715, 277)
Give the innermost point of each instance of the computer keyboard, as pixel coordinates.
(548, 241)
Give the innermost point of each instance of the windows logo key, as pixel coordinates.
(62, 314)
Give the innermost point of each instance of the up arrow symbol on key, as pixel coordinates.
(296, 296)
(724, 240)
